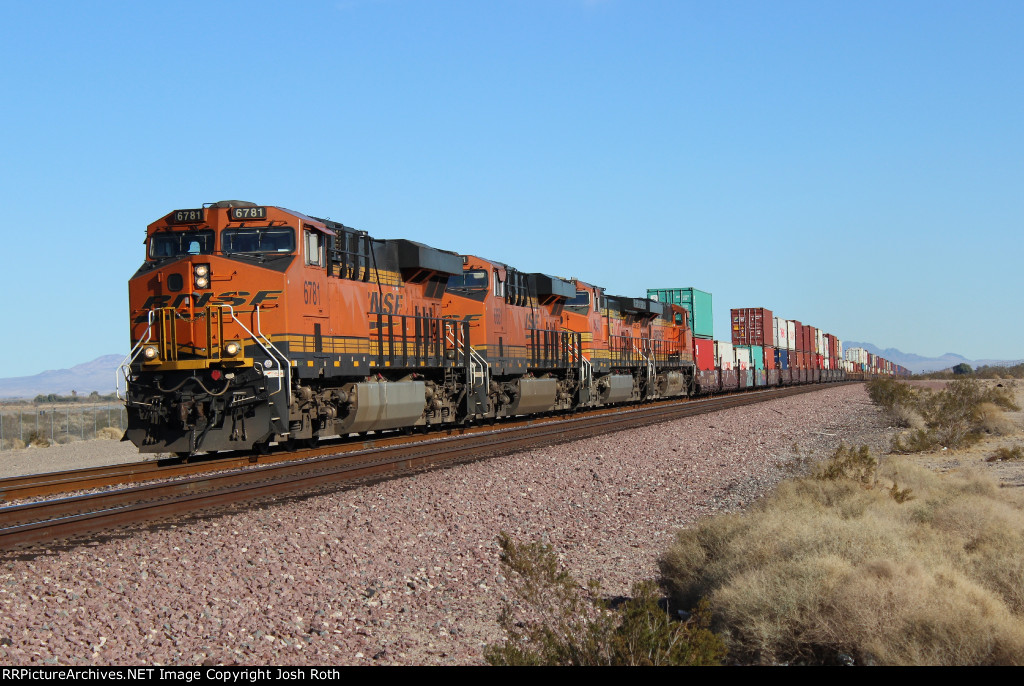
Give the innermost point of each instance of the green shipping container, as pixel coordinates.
(697, 303)
(757, 355)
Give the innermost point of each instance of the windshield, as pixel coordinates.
(181, 243)
(258, 240)
(473, 280)
(580, 304)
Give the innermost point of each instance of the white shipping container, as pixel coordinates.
(791, 334)
(819, 341)
(857, 355)
(724, 356)
(742, 358)
(780, 333)
(839, 351)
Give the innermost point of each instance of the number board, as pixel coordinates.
(240, 214)
(187, 217)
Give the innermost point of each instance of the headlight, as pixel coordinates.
(201, 273)
(232, 349)
(150, 352)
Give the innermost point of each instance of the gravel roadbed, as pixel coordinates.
(406, 571)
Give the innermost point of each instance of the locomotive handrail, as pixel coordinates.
(126, 363)
(648, 363)
(576, 349)
(270, 349)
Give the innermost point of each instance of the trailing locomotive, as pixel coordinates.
(255, 324)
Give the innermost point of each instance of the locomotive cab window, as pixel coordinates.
(178, 243)
(580, 304)
(314, 248)
(258, 240)
(470, 280)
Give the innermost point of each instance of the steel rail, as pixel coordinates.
(108, 476)
(47, 520)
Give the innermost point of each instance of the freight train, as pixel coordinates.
(253, 324)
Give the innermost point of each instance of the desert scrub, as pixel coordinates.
(952, 418)
(1004, 454)
(846, 564)
(556, 621)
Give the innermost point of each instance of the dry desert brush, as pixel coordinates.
(553, 620)
(849, 565)
(954, 417)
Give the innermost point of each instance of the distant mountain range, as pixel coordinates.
(97, 375)
(917, 363)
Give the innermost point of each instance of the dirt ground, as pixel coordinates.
(1009, 473)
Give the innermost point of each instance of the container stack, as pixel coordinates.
(696, 302)
(753, 326)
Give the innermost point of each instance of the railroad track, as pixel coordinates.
(239, 480)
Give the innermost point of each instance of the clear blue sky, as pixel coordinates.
(858, 166)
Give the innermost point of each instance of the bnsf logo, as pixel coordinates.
(233, 298)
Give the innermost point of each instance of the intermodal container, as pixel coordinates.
(725, 358)
(741, 353)
(757, 357)
(780, 333)
(752, 326)
(705, 354)
(782, 358)
(798, 336)
(697, 303)
(769, 357)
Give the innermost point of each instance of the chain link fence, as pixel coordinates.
(60, 424)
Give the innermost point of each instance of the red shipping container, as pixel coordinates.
(752, 326)
(704, 353)
(798, 331)
(769, 357)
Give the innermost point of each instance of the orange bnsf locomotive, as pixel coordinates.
(255, 324)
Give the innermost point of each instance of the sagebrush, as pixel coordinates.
(875, 562)
(954, 417)
(556, 621)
